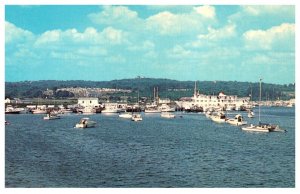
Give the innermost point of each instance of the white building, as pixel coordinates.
(207, 101)
(88, 102)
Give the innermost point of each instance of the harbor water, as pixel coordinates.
(188, 151)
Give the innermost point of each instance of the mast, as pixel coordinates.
(154, 97)
(259, 100)
(195, 89)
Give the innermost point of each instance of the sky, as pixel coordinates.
(200, 42)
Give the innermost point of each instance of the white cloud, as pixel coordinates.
(109, 36)
(206, 11)
(215, 37)
(13, 33)
(276, 38)
(179, 52)
(217, 34)
(167, 23)
(113, 36)
(115, 16)
(256, 10)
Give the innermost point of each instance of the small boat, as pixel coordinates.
(166, 108)
(250, 114)
(125, 115)
(237, 120)
(39, 111)
(219, 118)
(51, 116)
(85, 123)
(167, 115)
(208, 114)
(7, 123)
(136, 117)
(262, 127)
(11, 110)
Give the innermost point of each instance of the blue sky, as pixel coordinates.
(201, 42)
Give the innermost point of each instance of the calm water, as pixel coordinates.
(183, 152)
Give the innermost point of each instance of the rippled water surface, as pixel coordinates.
(191, 151)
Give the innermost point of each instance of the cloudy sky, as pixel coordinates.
(200, 42)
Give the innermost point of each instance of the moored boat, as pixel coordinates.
(237, 120)
(167, 115)
(85, 123)
(51, 116)
(261, 127)
(136, 117)
(11, 110)
(220, 117)
(125, 115)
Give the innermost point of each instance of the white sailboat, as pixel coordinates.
(261, 127)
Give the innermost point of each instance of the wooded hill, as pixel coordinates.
(172, 89)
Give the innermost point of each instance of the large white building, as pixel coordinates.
(88, 102)
(208, 101)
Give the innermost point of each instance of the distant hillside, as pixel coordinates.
(167, 88)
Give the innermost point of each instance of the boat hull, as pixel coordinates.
(256, 129)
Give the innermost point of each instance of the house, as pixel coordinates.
(88, 102)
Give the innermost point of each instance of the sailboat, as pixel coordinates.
(137, 116)
(261, 127)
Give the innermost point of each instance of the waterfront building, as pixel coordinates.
(88, 102)
(214, 101)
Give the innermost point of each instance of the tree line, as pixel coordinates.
(167, 88)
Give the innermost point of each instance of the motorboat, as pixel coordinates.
(136, 117)
(85, 123)
(167, 115)
(11, 110)
(51, 116)
(220, 117)
(125, 115)
(250, 114)
(7, 123)
(237, 120)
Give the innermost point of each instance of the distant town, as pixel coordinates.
(146, 95)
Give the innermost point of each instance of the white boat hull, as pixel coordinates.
(87, 125)
(126, 116)
(39, 112)
(51, 117)
(152, 111)
(233, 122)
(169, 116)
(256, 129)
(218, 120)
(136, 118)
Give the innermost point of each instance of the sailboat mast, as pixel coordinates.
(195, 89)
(259, 100)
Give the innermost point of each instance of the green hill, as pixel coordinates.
(172, 89)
